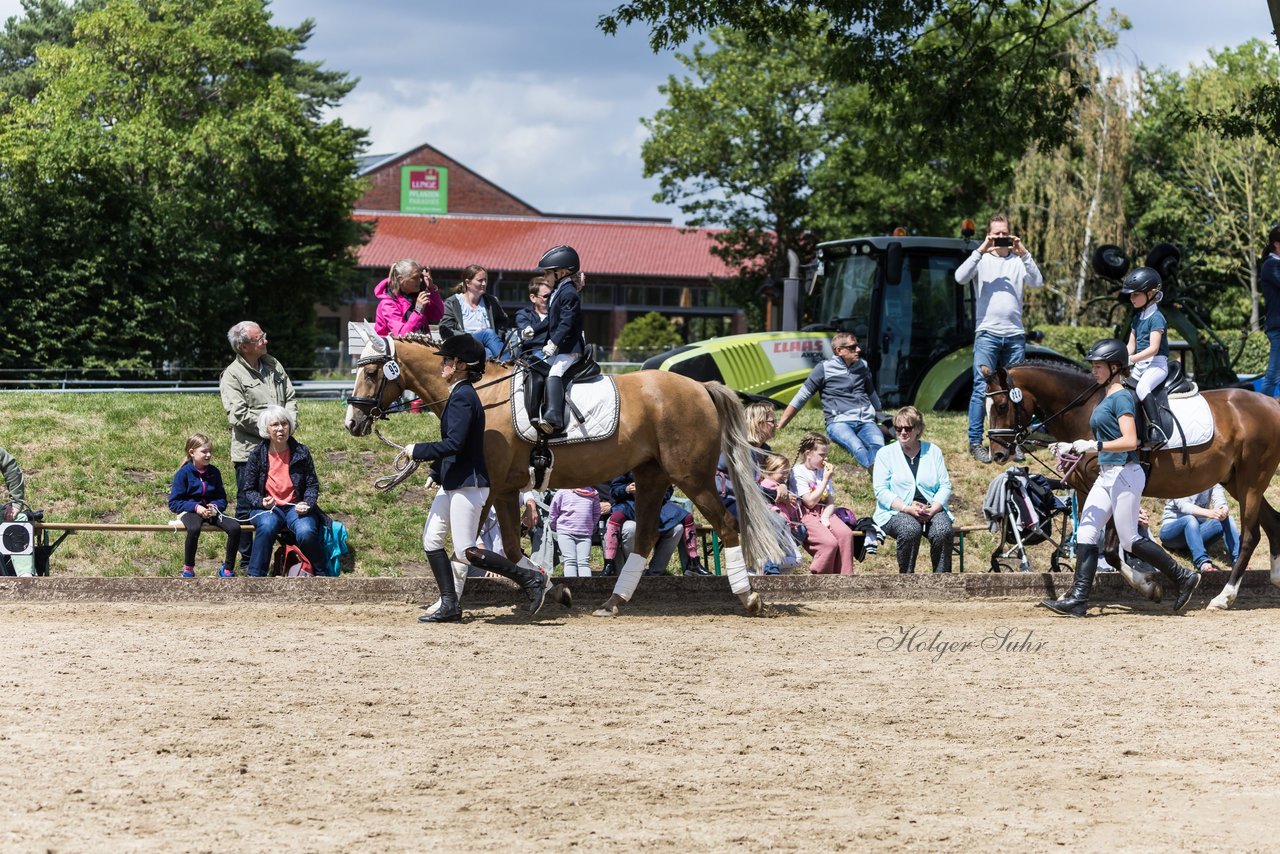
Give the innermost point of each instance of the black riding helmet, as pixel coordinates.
(1110, 350)
(559, 256)
(466, 349)
(1141, 280)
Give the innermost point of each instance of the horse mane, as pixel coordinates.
(1053, 365)
(428, 340)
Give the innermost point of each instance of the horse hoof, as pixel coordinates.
(612, 607)
(561, 595)
(753, 603)
(1220, 603)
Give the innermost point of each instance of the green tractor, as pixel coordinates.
(897, 294)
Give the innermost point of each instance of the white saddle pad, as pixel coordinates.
(596, 399)
(1196, 419)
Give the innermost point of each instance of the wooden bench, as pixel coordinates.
(711, 544)
(40, 530)
(711, 550)
(957, 544)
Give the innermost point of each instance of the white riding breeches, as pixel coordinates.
(1117, 492)
(561, 362)
(458, 512)
(1150, 373)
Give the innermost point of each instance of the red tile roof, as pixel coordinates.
(516, 243)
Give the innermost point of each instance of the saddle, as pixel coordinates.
(584, 370)
(1176, 386)
(591, 409)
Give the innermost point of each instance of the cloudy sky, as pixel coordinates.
(531, 95)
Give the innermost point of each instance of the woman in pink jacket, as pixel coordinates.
(408, 301)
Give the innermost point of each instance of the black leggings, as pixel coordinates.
(192, 522)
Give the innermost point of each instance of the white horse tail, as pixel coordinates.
(763, 532)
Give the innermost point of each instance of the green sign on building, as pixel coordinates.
(424, 189)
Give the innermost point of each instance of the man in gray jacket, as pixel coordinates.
(849, 401)
(249, 385)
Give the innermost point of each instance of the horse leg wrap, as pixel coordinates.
(629, 576)
(735, 567)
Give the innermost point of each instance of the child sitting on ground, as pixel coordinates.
(197, 496)
(623, 492)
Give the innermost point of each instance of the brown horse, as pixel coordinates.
(1243, 455)
(671, 430)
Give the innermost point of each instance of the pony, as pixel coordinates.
(1243, 455)
(671, 430)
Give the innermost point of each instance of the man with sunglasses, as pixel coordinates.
(849, 400)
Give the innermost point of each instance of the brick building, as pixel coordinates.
(427, 206)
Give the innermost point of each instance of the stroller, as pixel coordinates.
(1023, 508)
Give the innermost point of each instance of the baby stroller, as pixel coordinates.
(1023, 508)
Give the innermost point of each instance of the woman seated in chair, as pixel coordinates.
(912, 489)
(282, 487)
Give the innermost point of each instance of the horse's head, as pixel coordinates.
(378, 385)
(1009, 413)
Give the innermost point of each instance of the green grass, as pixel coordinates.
(110, 458)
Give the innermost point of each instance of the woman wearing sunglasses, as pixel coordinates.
(912, 489)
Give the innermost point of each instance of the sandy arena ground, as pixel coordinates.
(268, 728)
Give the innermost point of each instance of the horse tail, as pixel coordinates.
(763, 532)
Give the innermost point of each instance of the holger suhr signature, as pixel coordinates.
(931, 642)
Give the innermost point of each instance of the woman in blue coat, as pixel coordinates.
(458, 465)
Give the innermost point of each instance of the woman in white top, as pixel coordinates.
(472, 310)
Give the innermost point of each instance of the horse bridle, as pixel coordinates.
(1019, 433)
(390, 373)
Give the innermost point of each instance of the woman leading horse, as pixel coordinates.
(671, 430)
(1243, 455)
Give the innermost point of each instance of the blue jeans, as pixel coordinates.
(1194, 533)
(994, 351)
(860, 438)
(494, 347)
(1271, 380)
(268, 523)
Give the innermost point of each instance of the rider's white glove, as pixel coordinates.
(527, 333)
(1059, 449)
(550, 349)
(1084, 446)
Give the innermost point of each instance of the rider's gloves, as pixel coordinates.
(1084, 446)
(1059, 449)
(550, 349)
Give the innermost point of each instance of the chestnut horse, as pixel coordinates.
(1243, 455)
(671, 430)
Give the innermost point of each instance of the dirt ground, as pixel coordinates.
(821, 727)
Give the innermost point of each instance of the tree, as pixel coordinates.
(1069, 199)
(1216, 194)
(735, 147)
(951, 57)
(173, 176)
(650, 332)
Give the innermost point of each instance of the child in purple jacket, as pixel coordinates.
(573, 517)
(197, 496)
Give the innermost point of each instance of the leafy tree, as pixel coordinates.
(1069, 199)
(650, 332)
(735, 147)
(982, 70)
(173, 176)
(1215, 194)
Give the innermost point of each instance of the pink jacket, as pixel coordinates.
(394, 316)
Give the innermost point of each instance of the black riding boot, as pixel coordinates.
(1186, 580)
(449, 610)
(553, 411)
(1155, 435)
(534, 384)
(1077, 601)
(533, 582)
